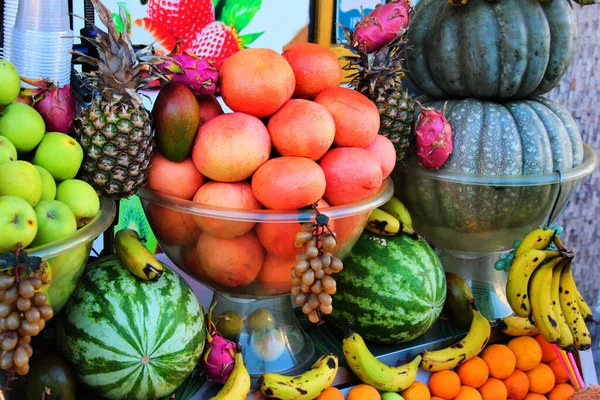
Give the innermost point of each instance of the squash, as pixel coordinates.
(525, 137)
(509, 49)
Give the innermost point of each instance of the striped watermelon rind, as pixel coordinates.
(392, 289)
(129, 338)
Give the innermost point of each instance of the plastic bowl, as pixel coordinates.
(484, 214)
(67, 257)
(257, 262)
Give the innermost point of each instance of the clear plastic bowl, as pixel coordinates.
(255, 264)
(471, 215)
(67, 257)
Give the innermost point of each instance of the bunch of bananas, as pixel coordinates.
(541, 287)
(390, 219)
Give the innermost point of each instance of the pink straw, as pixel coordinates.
(564, 365)
(576, 370)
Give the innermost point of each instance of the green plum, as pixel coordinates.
(81, 198)
(60, 154)
(55, 221)
(18, 223)
(8, 151)
(22, 125)
(230, 325)
(21, 179)
(48, 184)
(10, 82)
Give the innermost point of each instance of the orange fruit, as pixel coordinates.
(256, 81)
(363, 392)
(331, 393)
(230, 147)
(444, 384)
(517, 385)
(356, 117)
(164, 173)
(562, 391)
(527, 351)
(209, 108)
(288, 183)
(436, 398)
(274, 276)
(468, 393)
(383, 149)
(541, 379)
(302, 128)
(535, 396)
(473, 372)
(500, 360)
(493, 389)
(190, 263)
(560, 375)
(316, 68)
(548, 353)
(172, 227)
(416, 391)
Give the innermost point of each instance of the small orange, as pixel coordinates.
(548, 353)
(500, 360)
(541, 379)
(331, 393)
(560, 375)
(444, 384)
(528, 352)
(517, 385)
(535, 396)
(562, 391)
(363, 392)
(474, 372)
(468, 393)
(416, 391)
(493, 389)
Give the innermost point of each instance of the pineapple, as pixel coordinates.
(378, 77)
(115, 130)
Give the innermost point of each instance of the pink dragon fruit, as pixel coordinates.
(197, 73)
(433, 137)
(382, 25)
(55, 105)
(218, 359)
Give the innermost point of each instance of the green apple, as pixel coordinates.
(10, 82)
(8, 151)
(391, 396)
(81, 198)
(21, 179)
(22, 125)
(55, 221)
(48, 184)
(60, 154)
(18, 223)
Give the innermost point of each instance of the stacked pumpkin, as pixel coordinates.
(488, 63)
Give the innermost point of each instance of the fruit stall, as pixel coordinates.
(370, 221)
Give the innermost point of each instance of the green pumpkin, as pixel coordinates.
(508, 49)
(528, 137)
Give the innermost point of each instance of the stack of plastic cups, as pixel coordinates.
(10, 16)
(42, 40)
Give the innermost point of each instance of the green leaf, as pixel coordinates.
(239, 13)
(249, 38)
(7, 260)
(32, 264)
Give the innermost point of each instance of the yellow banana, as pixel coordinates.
(396, 209)
(237, 386)
(515, 326)
(538, 239)
(570, 308)
(382, 223)
(542, 312)
(136, 257)
(305, 386)
(469, 347)
(372, 371)
(566, 339)
(519, 275)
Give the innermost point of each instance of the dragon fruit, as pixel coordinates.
(382, 25)
(433, 137)
(197, 73)
(55, 105)
(218, 359)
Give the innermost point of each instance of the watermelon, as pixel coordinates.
(392, 289)
(129, 338)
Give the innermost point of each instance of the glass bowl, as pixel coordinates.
(67, 257)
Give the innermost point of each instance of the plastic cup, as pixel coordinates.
(43, 15)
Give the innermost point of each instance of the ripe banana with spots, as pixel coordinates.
(305, 386)
(372, 371)
(469, 347)
(540, 294)
(132, 253)
(538, 239)
(398, 210)
(566, 339)
(570, 308)
(382, 223)
(516, 326)
(519, 276)
(237, 386)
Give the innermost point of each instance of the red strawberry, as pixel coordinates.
(183, 19)
(216, 43)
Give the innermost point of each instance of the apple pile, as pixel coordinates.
(40, 201)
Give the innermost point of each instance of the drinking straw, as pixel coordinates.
(577, 374)
(564, 365)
